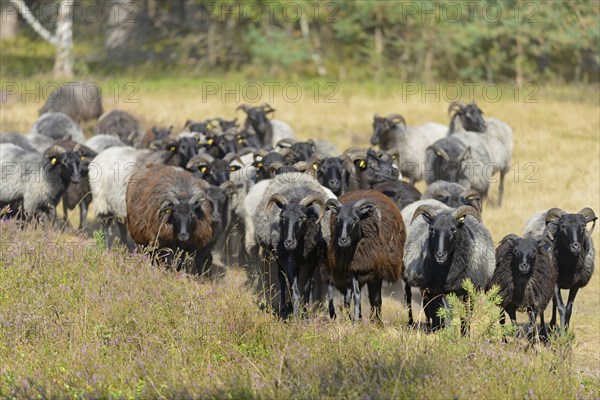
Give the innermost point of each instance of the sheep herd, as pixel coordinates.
(306, 220)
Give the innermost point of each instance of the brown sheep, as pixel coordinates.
(367, 245)
(167, 207)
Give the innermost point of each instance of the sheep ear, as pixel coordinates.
(333, 205)
(439, 152)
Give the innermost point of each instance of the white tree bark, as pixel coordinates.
(305, 28)
(62, 39)
(9, 25)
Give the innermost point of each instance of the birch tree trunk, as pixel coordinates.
(62, 39)
(9, 25)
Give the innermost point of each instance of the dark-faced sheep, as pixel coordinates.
(497, 137)
(269, 131)
(289, 225)
(36, 181)
(367, 244)
(453, 195)
(444, 248)
(372, 167)
(336, 173)
(526, 275)
(402, 193)
(168, 208)
(391, 132)
(572, 250)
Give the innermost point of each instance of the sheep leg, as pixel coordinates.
(375, 300)
(543, 333)
(347, 300)
(106, 222)
(283, 305)
(122, 232)
(83, 210)
(464, 324)
(356, 293)
(65, 210)
(331, 292)
(501, 188)
(293, 282)
(408, 298)
(531, 329)
(569, 310)
(561, 307)
(552, 323)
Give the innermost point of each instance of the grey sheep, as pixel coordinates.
(526, 275)
(290, 223)
(462, 158)
(36, 181)
(121, 124)
(497, 136)
(572, 250)
(443, 249)
(18, 140)
(99, 143)
(57, 126)
(391, 132)
(81, 101)
(453, 194)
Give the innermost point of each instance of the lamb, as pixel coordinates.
(168, 208)
(391, 132)
(526, 275)
(443, 249)
(57, 126)
(367, 244)
(99, 143)
(269, 131)
(453, 195)
(289, 222)
(462, 158)
(81, 101)
(402, 193)
(496, 134)
(572, 250)
(121, 124)
(36, 181)
(78, 194)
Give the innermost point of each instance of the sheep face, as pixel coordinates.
(444, 229)
(263, 165)
(348, 218)
(449, 167)
(331, 172)
(301, 151)
(161, 133)
(568, 231)
(216, 172)
(199, 127)
(63, 164)
(376, 169)
(382, 125)
(258, 118)
(224, 124)
(471, 116)
(218, 198)
(182, 215)
(296, 217)
(86, 156)
(524, 253)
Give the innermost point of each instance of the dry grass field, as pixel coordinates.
(556, 164)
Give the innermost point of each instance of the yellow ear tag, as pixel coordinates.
(362, 164)
(210, 141)
(259, 165)
(203, 169)
(240, 140)
(82, 158)
(461, 219)
(315, 166)
(172, 148)
(209, 126)
(54, 161)
(152, 147)
(168, 211)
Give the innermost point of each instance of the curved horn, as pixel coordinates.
(554, 213)
(589, 216)
(370, 203)
(267, 108)
(56, 149)
(395, 154)
(229, 185)
(285, 142)
(473, 198)
(200, 158)
(439, 152)
(426, 210)
(465, 210)
(275, 165)
(333, 205)
(197, 198)
(260, 153)
(278, 199)
(510, 237)
(229, 157)
(396, 118)
(314, 199)
(456, 105)
(244, 107)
